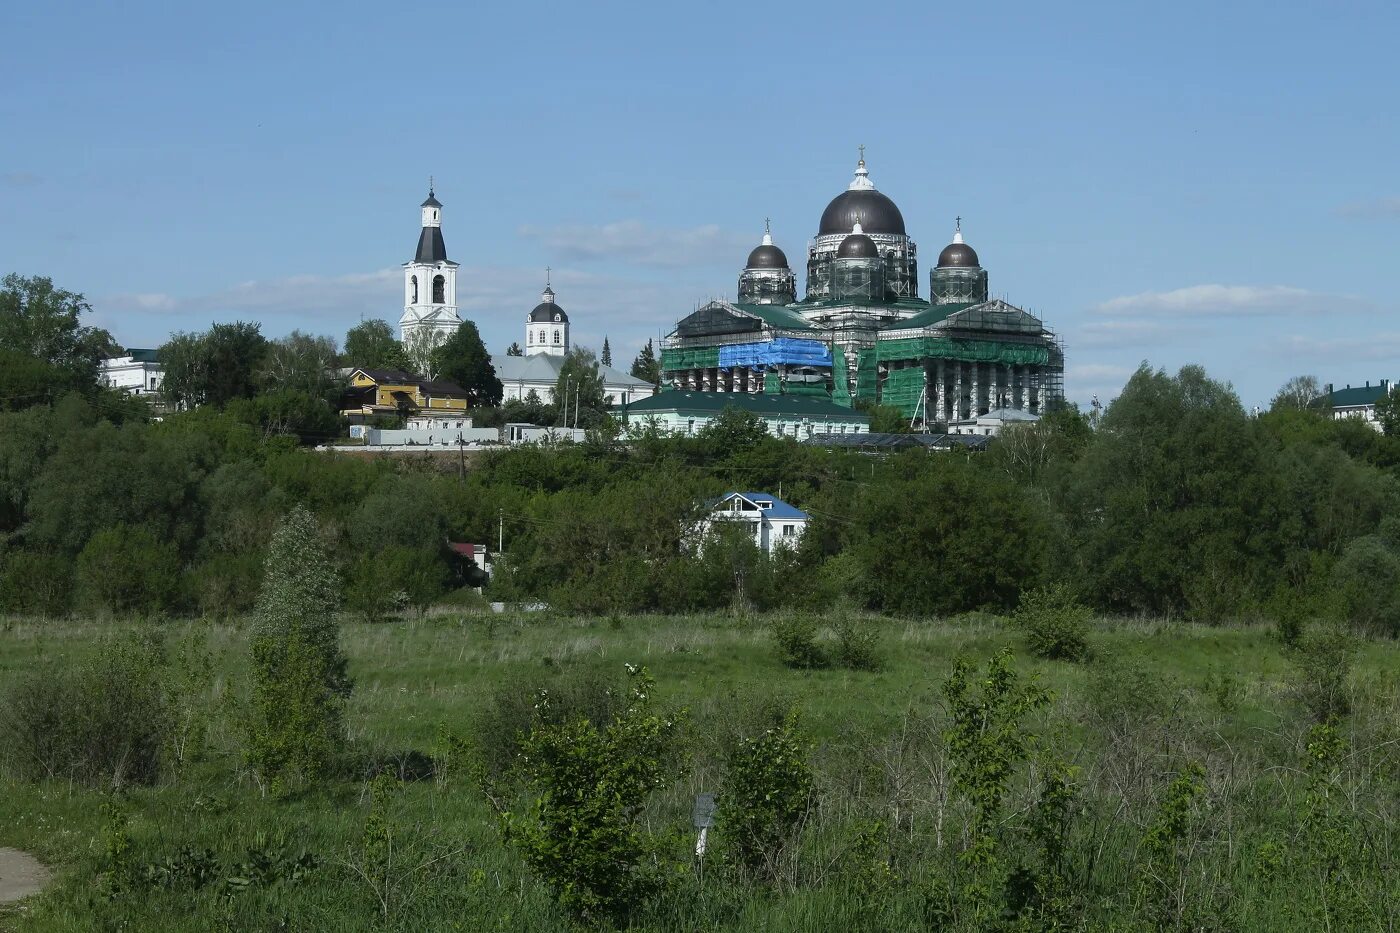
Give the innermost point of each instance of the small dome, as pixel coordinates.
(857, 246)
(958, 254)
(432, 200)
(547, 312)
(767, 256)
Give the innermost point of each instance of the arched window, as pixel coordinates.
(541, 336)
(414, 279)
(557, 336)
(439, 290)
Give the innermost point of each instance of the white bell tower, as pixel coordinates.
(547, 326)
(430, 282)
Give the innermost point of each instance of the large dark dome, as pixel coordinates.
(875, 213)
(767, 256)
(958, 254)
(857, 246)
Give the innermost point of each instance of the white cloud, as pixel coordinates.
(1090, 372)
(633, 242)
(1128, 333)
(1378, 346)
(1379, 207)
(1231, 301)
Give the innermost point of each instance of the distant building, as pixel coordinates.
(796, 416)
(771, 521)
(429, 282)
(993, 422)
(546, 349)
(1358, 402)
(136, 373)
(393, 392)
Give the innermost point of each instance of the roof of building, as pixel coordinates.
(774, 315)
(774, 406)
(861, 204)
(958, 255)
(934, 314)
(138, 355)
(432, 200)
(547, 312)
(777, 507)
(767, 256)
(545, 367)
(431, 248)
(403, 377)
(857, 246)
(1350, 397)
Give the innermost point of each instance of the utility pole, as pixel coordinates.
(461, 458)
(501, 532)
(576, 393)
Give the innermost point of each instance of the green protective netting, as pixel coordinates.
(951, 348)
(866, 375)
(684, 358)
(808, 389)
(772, 385)
(904, 389)
(840, 388)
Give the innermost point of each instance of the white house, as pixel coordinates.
(1355, 402)
(136, 373)
(771, 521)
(993, 422)
(796, 416)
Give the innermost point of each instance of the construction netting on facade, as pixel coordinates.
(686, 358)
(904, 389)
(867, 375)
(952, 348)
(840, 388)
(775, 352)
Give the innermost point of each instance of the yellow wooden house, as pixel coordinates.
(396, 392)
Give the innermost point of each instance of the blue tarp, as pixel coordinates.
(773, 352)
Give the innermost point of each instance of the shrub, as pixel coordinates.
(796, 638)
(394, 578)
(582, 833)
(125, 568)
(1367, 582)
(1322, 665)
(857, 645)
(765, 797)
(103, 722)
(35, 582)
(299, 678)
(1054, 624)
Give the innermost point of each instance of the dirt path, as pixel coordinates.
(20, 875)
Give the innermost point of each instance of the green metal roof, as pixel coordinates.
(1360, 395)
(785, 407)
(931, 315)
(142, 356)
(776, 316)
(900, 304)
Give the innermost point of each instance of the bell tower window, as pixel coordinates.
(439, 290)
(414, 280)
(557, 335)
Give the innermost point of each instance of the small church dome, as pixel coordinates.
(857, 246)
(547, 312)
(767, 256)
(958, 254)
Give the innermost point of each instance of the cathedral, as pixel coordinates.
(862, 333)
(430, 314)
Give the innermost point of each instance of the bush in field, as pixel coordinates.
(300, 684)
(35, 582)
(1054, 624)
(765, 797)
(125, 568)
(1322, 666)
(582, 833)
(1367, 583)
(857, 645)
(103, 722)
(796, 638)
(395, 578)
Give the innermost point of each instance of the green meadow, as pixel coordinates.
(1274, 835)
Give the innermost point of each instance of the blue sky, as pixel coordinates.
(1212, 183)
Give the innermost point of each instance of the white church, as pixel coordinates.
(430, 313)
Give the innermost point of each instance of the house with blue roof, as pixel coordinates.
(770, 520)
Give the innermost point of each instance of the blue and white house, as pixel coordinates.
(772, 522)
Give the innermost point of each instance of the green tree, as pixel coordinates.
(463, 359)
(372, 345)
(1388, 412)
(606, 357)
(127, 569)
(1299, 394)
(579, 390)
(45, 324)
(215, 367)
(888, 419)
(300, 683)
(514, 350)
(300, 362)
(646, 366)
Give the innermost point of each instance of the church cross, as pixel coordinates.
(959, 221)
(766, 227)
(861, 147)
(547, 271)
(430, 184)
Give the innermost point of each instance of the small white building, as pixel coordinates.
(136, 373)
(795, 416)
(993, 422)
(771, 521)
(1357, 402)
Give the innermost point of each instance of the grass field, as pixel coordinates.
(1156, 696)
